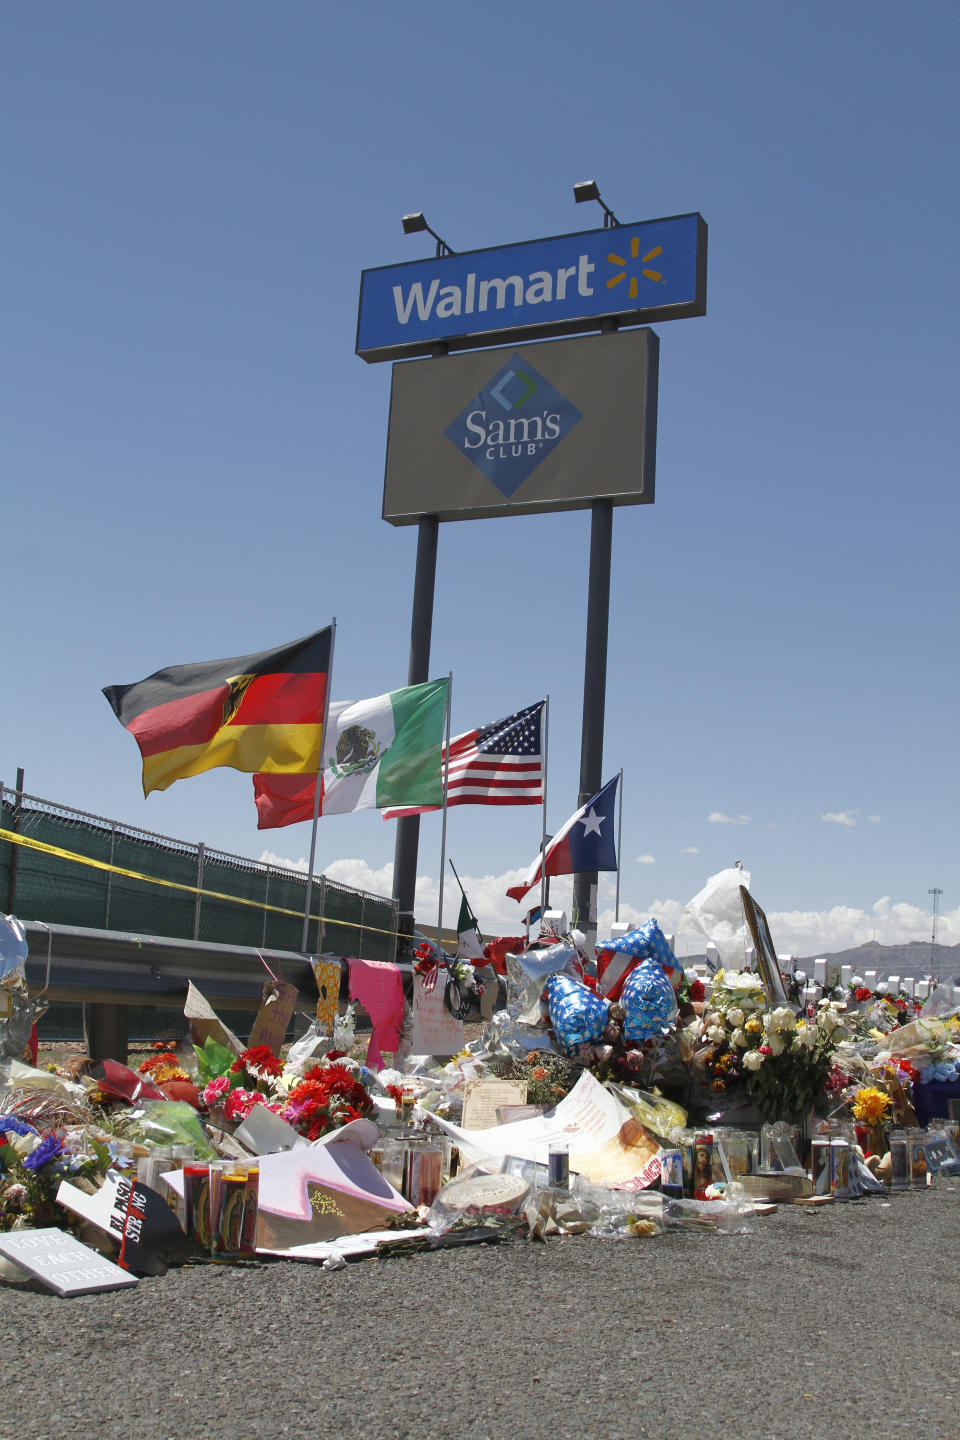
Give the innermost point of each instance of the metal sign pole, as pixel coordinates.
(421, 626)
(594, 695)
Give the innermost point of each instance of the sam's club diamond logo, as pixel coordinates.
(514, 423)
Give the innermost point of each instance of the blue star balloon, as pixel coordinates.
(577, 1015)
(647, 941)
(648, 1001)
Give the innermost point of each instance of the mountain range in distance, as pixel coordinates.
(913, 958)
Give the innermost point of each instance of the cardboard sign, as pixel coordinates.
(435, 1032)
(63, 1263)
(483, 1098)
(204, 1021)
(132, 1213)
(273, 1017)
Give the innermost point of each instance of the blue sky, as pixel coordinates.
(193, 455)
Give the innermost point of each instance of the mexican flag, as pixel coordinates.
(469, 939)
(386, 751)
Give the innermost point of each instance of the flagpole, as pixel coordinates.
(316, 797)
(543, 832)
(443, 827)
(616, 913)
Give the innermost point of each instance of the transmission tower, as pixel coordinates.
(935, 937)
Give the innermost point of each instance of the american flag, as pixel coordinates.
(498, 764)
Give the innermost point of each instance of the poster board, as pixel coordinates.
(767, 963)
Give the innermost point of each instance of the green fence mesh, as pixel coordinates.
(37, 885)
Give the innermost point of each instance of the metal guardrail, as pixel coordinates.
(111, 967)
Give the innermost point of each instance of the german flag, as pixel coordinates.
(254, 713)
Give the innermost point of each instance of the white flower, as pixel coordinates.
(783, 1018)
(740, 1039)
(805, 1036)
(716, 1033)
(735, 1016)
(753, 1060)
(776, 1042)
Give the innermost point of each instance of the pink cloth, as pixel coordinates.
(377, 985)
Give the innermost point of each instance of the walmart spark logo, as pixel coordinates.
(619, 260)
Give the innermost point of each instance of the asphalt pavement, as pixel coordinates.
(837, 1321)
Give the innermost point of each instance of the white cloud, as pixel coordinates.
(690, 850)
(268, 857)
(646, 860)
(847, 818)
(717, 817)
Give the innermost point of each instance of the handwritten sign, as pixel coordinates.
(273, 1017)
(62, 1263)
(435, 1032)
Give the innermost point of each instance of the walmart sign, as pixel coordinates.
(654, 270)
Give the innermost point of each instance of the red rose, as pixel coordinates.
(697, 991)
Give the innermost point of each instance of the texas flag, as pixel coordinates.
(585, 843)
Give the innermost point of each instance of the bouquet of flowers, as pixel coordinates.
(31, 1168)
(330, 1094)
(789, 1073)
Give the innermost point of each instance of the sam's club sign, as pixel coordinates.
(654, 270)
(512, 424)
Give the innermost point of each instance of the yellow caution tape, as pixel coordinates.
(27, 841)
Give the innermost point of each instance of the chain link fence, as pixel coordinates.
(151, 884)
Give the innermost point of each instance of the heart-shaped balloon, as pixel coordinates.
(577, 1015)
(648, 1001)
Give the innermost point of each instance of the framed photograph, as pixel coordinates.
(767, 963)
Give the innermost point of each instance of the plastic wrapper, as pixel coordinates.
(48, 1108)
(731, 1215)
(662, 1117)
(554, 1210)
(481, 1192)
(716, 911)
(13, 953)
(119, 1082)
(303, 1052)
(15, 1028)
(169, 1122)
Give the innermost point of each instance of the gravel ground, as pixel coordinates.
(827, 1322)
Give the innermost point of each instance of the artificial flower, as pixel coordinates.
(48, 1149)
(215, 1090)
(240, 1102)
(871, 1105)
(259, 1061)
